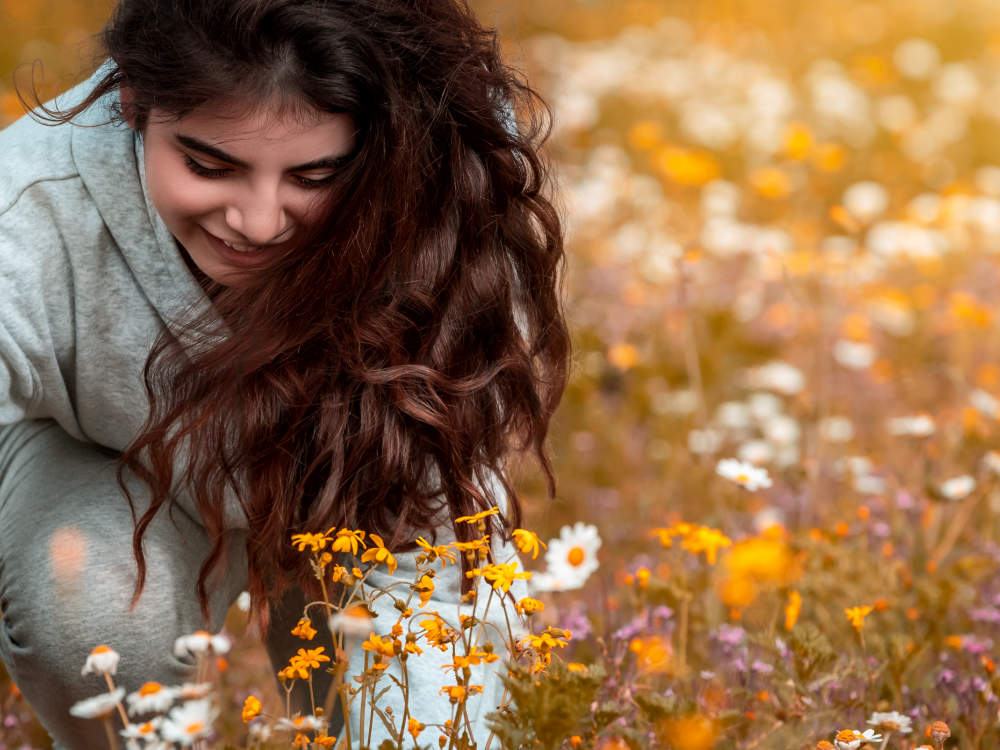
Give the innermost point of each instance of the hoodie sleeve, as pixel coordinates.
(36, 309)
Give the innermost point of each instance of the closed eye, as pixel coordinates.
(202, 170)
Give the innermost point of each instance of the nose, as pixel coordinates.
(260, 217)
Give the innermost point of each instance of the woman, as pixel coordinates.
(278, 266)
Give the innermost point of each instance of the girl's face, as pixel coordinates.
(234, 188)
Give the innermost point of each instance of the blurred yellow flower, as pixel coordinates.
(692, 732)
(623, 356)
(857, 615)
(770, 182)
(251, 708)
(829, 157)
(304, 629)
(645, 135)
(687, 167)
(653, 654)
(798, 140)
(529, 606)
(478, 516)
(707, 540)
(792, 609)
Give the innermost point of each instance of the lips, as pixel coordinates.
(241, 257)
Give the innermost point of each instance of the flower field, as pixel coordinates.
(779, 453)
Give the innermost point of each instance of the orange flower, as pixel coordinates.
(304, 630)
(251, 708)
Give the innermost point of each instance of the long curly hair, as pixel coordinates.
(378, 374)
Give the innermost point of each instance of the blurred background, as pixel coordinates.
(783, 224)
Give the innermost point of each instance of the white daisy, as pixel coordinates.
(189, 722)
(145, 731)
(260, 731)
(201, 642)
(98, 707)
(866, 201)
(354, 623)
(191, 691)
(102, 660)
(152, 697)
(746, 475)
(836, 429)
(572, 557)
(891, 721)
(985, 403)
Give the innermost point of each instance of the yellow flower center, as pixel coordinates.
(150, 688)
(146, 728)
(101, 650)
(194, 727)
(575, 556)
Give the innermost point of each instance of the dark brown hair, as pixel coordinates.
(379, 373)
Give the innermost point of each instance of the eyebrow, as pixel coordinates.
(328, 162)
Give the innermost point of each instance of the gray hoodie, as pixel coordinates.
(89, 276)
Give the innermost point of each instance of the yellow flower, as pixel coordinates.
(251, 708)
(653, 654)
(379, 554)
(438, 633)
(501, 576)
(301, 740)
(307, 659)
(529, 606)
(792, 609)
(414, 727)
(457, 693)
(575, 666)
(692, 732)
(348, 541)
(704, 539)
(304, 629)
(314, 542)
(443, 551)
(325, 740)
(425, 588)
(544, 642)
(857, 616)
(380, 645)
(478, 516)
(528, 542)
(476, 544)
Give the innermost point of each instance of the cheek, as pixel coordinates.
(175, 192)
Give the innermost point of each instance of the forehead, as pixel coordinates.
(244, 129)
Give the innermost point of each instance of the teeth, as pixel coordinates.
(246, 249)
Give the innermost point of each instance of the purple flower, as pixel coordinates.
(730, 634)
(762, 667)
(985, 614)
(904, 500)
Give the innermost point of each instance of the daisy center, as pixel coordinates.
(575, 556)
(194, 727)
(150, 688)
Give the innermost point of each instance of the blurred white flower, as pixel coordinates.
(767, 518)
(957, 488)
(354, 622)
(189, 722)
(704, 441)
(782, 430)
(987, 180)
(891, 721)
(893, 316)
(732, 415)
(243, 601)
(896, 113)
(764, 406)
(991, 460)
(869, 484)
(836, 429)
(201, 642)
(866, 200)
(152, 697)
(102, 660)
(920, 425)
(145, 731)
(303, 723)
(985, 403)
(924, 208)
(916, 58)
(755, 452)
(746, 475)
(777, 376)
(984, 215)
(720, 198)
(855, 355)
(957, 83)
(98, 707)
(901, 239)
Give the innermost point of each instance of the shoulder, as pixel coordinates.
(31, 156)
